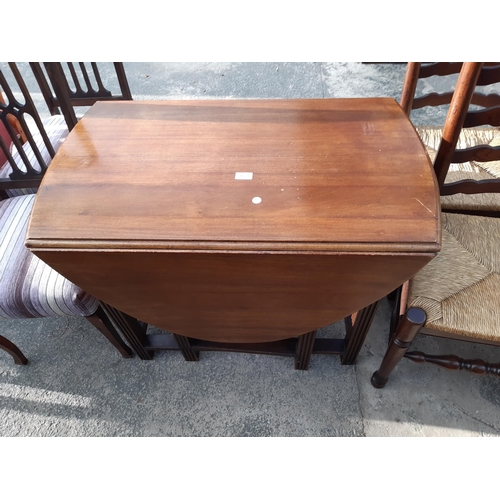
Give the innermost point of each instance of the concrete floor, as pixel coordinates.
(76, 384)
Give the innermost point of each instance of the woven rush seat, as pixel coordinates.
(29, 288)
(460, 288)
(455, 295)
(431, 137)
(57, 130)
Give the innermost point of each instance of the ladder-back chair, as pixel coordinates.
(457, 294)
(469, 178)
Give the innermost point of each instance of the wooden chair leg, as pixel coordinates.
(186, 349)
(357, 327)
(305, 344)
(13, 350)
(102, 322)
(452, 362)
(131, 330)
(408, 327)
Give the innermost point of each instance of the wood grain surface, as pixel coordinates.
(231, 297)
(141, 208)
(327, 170)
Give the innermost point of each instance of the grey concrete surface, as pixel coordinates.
(76, 384)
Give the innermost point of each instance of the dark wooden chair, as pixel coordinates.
(28, 287)
(456, 295)
(470, 182)
(55, 82)
(28, 142)
(31, 289)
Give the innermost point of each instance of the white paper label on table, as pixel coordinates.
(243, 176)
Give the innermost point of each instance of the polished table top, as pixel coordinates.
(296, 177)
(330, 171)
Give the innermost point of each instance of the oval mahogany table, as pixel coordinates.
(239, 223)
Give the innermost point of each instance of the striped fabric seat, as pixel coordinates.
(29, 288)
(56, 130)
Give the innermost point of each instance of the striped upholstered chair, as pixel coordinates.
(28, 287)
(456, 295)
(31, 289)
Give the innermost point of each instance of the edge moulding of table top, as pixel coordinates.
(239, 221)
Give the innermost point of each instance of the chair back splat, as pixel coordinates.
(86, 81)
(26, 137)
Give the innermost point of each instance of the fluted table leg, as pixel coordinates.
(357, 327)
(305, 344)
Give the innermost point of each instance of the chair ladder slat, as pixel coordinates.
(477, 153)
